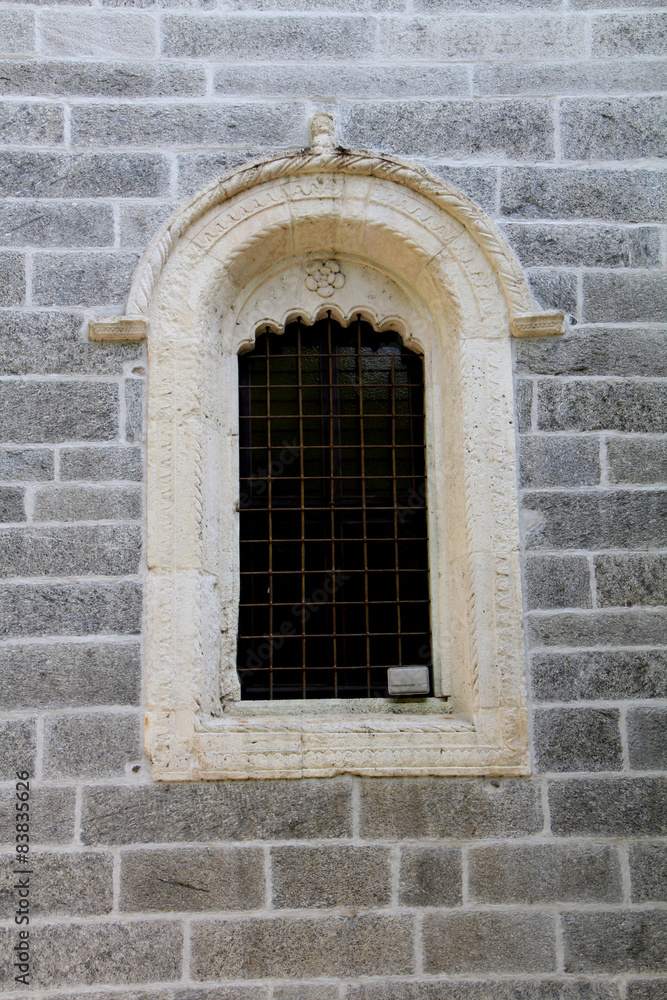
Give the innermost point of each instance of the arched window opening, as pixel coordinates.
(333, 519)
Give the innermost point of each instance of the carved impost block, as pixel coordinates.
(119, 329)
(545, 324)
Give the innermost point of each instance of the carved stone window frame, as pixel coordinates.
(417, 256)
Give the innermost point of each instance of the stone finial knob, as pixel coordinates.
(322, 130)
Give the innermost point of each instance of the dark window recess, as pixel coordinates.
(334, 560)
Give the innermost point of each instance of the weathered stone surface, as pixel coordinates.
(27, 124)
(58, 411)
(523, 400)
(17, 32)
(646, 989)
(626, 297)
(577, 739)
(26, 464)
(90, 464)
(544, 873)
(18, 747)
(306, 991)
(87, 503)
(647, 738)
(470, 989)
(626, 580)
(196, 170)
(626, 941)
(430, 876)
(341, 80)
(134, 410)
(56, 224)
(72, 954)
(95, 745)
(555, 290)
(488, 941)
(617, 195)
(513, 128)
(77, 883)
(96, 33)
(582, 405)
(557, 582)
(69, 675)
(629, 34)
(595, 351)
(97, 550)
(138, 223)
(91, 279)
(51, 815)
(617, 128)
(570, 78)
(103, 79)
(592, 675)
(648, 872)
(637, 460)
(45, 343)
(192, 879)
(464, 808)
(267, 38)
(187, 124)
(11, 504)
(82, 175)
(571, 628)
(12, 279)
(617, 519)
(292, 947)
(480, 39)
(553, 244)
(479, 183)
(337, 875)
(70, 609)
(228, 811)
(608, 807)
(559, 461)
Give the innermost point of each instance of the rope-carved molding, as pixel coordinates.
(322, 157)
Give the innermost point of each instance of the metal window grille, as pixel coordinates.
(333, 529)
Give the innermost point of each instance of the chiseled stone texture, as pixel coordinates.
(107, 952)
(551, 116)
(578, 739)
(69, 674)
(430, 876)
(648, 872)
(254, 810)
(625, 941)
(305, 877)
(464, 809)
(70, 883)
(484, 940)
(543, 873)
(302, 947)
(95, 745)
(192, 879)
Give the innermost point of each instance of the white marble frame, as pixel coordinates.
(234, 254)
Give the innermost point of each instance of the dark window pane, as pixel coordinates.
(334, 570)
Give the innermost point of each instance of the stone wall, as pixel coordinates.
(548, 114)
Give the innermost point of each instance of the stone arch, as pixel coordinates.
(418, 255)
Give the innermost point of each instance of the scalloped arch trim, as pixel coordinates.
(275, 168)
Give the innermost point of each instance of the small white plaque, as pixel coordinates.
(404, 681)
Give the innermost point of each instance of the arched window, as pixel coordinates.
(351, 238)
